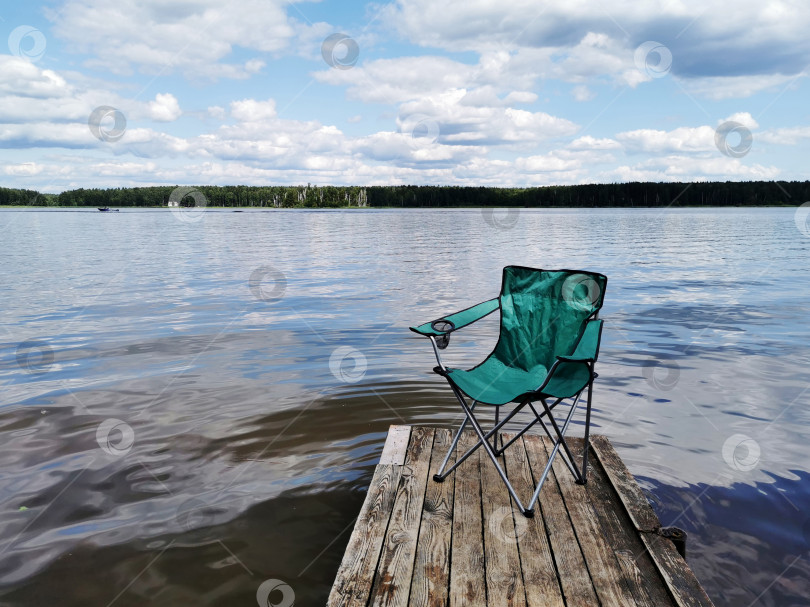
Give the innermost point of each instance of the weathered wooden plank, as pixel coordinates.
(352, 585)
(392, 583)
(467, 583)
(608, 579)
(640, 573)
(539, 575)
(431, 572)
(681, 581)
(396, 445)
(678, 576)
(503, 574)
(628, 563)
(574, 577)
(637, 506)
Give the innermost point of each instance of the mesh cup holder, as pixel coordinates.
(445, 326)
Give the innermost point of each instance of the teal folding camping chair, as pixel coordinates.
(546, 351)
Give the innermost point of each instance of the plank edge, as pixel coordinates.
(396, 445)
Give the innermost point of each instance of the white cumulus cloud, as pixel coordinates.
(165, 108)
(196, 38)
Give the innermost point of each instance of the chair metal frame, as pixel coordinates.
(494, 452)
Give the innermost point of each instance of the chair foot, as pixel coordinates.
(582, 482)
(438, 479)
(528, 513)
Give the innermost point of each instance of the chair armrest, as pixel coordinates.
(569, 374)
(587, 349)
(460, 319)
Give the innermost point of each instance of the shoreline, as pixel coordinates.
(607, 195)
(437, 207)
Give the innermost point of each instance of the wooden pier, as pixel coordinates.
(461, 542)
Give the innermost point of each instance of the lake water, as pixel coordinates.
(194, 404)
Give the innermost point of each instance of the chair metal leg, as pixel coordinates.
(554, 451)
(527, 512)
(440, 476)
(444, 474)
(569, 464)
(495, 442)
(561, 434)
(560, 445)
(505, 446)
(526, 428)
(584, 476)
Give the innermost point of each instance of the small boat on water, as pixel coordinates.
(106, 209)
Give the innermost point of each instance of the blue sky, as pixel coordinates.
(471, 92)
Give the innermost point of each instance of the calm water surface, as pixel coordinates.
(190, 408)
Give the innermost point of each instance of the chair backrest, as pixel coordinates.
(543, 313)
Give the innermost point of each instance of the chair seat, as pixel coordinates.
(494, 383)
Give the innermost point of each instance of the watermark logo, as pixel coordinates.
(581, 291)
(115, 437)
(348, 364)
(653, 59)
(188, 204)
(340, 51)
(802, 219)
(107, 124)
(34, 357)
(275, 593)
(267, 283)
(194, 514)
(27, 42)
(421, 129)
(505, 527)
(741, 452)
(659, 376)
(724, 136)
(501, 218)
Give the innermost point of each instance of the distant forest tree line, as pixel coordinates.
(636, 194)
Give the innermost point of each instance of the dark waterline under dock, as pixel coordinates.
(461, 542)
